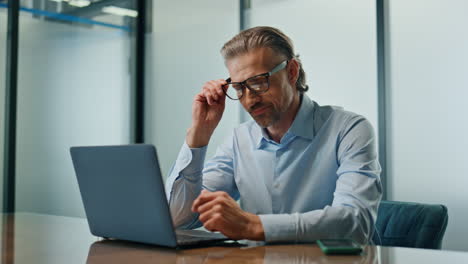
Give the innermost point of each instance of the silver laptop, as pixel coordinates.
(124, 197)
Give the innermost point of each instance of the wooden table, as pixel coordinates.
(35, 238)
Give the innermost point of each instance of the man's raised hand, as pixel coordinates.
(207, 110)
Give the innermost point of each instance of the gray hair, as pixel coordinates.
(264, 37)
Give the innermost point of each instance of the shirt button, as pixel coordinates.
(276, 185)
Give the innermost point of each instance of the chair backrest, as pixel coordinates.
(406, 224)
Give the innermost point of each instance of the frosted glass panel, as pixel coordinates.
(184, 54)
(3, 36)
(336, 41)
(74, 89)
(428, 62)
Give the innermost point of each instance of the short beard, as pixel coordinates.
(265, 123)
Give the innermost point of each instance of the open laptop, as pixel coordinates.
(124, 197)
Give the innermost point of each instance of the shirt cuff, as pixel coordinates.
(192, 160)
(279, 227)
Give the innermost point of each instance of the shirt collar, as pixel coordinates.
(302, 126)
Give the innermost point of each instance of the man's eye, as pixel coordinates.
(256, 86)
(237, 87)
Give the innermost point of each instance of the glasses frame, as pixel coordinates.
(244, 85)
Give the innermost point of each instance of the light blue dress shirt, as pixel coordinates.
(321, 180)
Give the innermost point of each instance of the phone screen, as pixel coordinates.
(338, 243)
(339, 246)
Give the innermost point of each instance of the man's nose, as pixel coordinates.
(251, 97)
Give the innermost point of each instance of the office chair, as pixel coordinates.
(416, 225)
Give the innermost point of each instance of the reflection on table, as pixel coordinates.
(35, 238)
(118, 251)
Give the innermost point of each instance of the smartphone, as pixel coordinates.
(339, 246)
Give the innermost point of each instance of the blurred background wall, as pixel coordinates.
(76, 78)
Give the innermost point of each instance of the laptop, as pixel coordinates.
(124, 197)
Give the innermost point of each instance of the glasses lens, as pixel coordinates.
(258, 84)
(233, 91)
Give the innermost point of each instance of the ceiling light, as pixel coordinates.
(114, 10)
(79, 3)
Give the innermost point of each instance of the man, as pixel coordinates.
(301, 171)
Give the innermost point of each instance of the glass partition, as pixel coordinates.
(74, 84)
(336, 42)
(183, 54)
(3, 39)
(427, 81)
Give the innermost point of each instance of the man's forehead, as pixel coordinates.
(255, 62)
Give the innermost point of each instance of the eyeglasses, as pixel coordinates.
(256, 84)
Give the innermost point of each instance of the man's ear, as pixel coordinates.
(293, 71)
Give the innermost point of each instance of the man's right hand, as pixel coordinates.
(207, 110)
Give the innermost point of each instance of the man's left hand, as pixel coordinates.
(219, 212)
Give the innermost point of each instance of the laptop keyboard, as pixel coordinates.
(189, 237)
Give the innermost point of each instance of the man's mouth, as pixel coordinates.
(259, 111)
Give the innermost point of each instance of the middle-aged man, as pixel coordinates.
(301, 171)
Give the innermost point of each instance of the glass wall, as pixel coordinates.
(74, 86)
(183, 54)
(3, 36)
(336, 41)
(427, 90)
